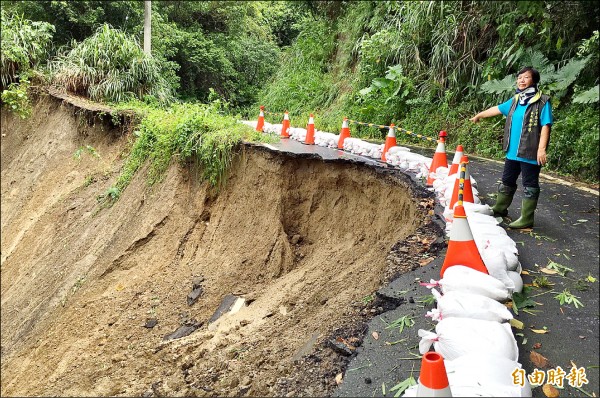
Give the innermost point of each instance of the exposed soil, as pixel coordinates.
(306, 243)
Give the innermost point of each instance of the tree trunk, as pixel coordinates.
(147, 26)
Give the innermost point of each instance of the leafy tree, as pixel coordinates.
(77, 20)
(221, 45)
(555, 82)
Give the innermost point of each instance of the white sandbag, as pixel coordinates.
(455, 337)
(479, 218)
(477, 208)
(468, 305)
(395, 149)
(465, 279)
(493, 238)
(482, 375)
(517, 281)
(512, 261)
(496, 264)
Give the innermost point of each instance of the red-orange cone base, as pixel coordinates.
(390, 141)
(285, 126)
(462, 249)
(261, 119)
(345, 133)
(310, 131)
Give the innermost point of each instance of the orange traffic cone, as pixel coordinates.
(433, 380)
(456, 160)
(261, 119)
(285, 126)
(462, 249)
(467, 191)
(310, 131)
(344, 134)
(439, 157)
(390, 141)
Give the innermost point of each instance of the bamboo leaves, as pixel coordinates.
(110, 66)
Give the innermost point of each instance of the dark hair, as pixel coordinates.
(534, 73)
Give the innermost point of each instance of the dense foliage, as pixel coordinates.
(428, 66)
(224, 45)
(110, 66)
(424, 65)
(24, 45)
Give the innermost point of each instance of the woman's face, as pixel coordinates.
(524, 80)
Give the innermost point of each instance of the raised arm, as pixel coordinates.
(493, 111)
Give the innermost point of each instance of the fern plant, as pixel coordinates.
(553, 81)
(589, 96)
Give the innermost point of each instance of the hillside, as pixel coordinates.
(300, 240)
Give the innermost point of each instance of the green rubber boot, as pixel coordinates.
(528, 206)
(503, 200)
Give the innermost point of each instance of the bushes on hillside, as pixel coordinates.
(110, 66)
(24, 45)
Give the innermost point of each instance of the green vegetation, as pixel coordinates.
(24, 47)
(190, 132)
(425, 66)
(400, 323)
(110, 66)
(566, 297)
(430, 66)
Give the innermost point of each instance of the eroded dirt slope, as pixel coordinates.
(300, 239)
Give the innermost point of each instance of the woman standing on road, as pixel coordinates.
(526, 136)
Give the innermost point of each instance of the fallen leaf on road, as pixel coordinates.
(539, 331)
(548, 271)
(537, 346)
(375, 335)
(538, 359)
(550, 391)
(516, 323)
(523, 272)
(339, 378)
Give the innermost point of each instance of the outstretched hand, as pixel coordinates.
(475, 119)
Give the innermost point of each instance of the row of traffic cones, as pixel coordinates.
(462, 250)
(439, 159)
(310, 128)
(461, 247)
